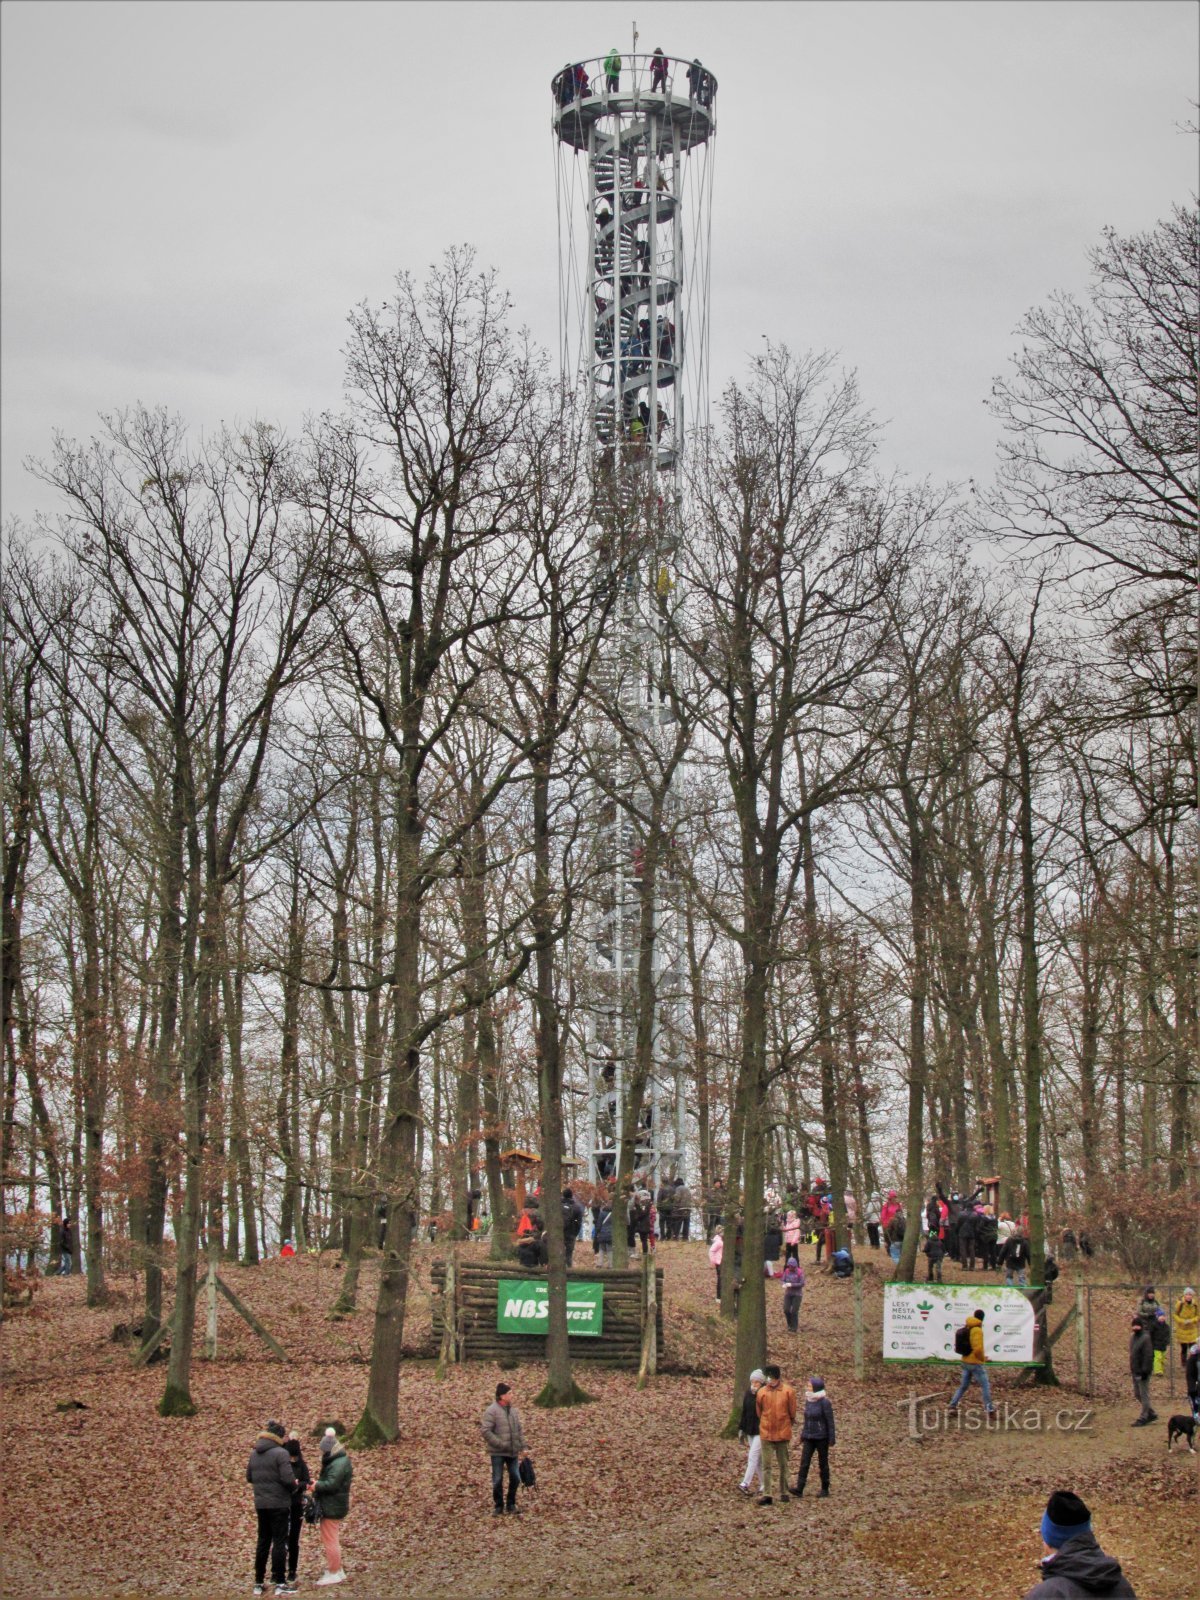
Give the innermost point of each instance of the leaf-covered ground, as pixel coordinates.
(637, 1491)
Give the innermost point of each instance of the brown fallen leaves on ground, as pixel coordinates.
(636, 1491)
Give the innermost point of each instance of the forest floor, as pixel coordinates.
(637, 1492)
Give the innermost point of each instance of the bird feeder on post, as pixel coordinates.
(519, 1163)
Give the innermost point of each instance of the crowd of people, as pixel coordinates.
(1150, 1345)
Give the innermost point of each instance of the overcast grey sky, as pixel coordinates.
(194, 195)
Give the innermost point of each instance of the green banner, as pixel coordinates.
(523, 1306)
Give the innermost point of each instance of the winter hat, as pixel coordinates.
(1065, 1517)
(817, 1385)
(328, 1440)
(758, 1376)
(1190, 1291)
(503, 1388)
(277, 1428)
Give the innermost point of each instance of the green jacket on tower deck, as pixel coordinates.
(333, 1485)
(612, 64)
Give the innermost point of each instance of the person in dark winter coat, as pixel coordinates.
(933, 1255)
(501, 1428)
(66, 1246)
(1192, 1378)
(602, 1233)
(966, 1240)
(1074, 1566)
(572, 1211)
(269, 1473)
(296, 1514)
(1141, 1365)
(529, 1234)
(817, 1435)
(333, 1497)
(894, 1234)
(748, 1433)
(1014, 1258)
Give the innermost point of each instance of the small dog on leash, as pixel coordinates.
(1182, 1427)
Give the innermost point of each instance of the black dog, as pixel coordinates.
(1182, 1427)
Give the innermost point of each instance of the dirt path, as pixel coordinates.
(637, 1493)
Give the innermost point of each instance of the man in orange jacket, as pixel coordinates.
(776, 1403)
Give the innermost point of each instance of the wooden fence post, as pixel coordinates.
(1080, 1336)
(859, 1365)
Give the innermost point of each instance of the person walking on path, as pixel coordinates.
(501, 1427)
(1074, 1566)
(269, 1473)
(1141, 1365)
(748, 1433)
(296, 1512)
(1186, 1319)
(817, 1435)
(776, 1403)
(974, 1364)
(793, 1294)
(333, 1498)
(716, 1254)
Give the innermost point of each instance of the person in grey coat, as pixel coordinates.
(501, 1427)
(269, 1473)
(1074, 1566)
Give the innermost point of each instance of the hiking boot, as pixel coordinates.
(512, 1511)
(824, 1495)
(1153, 1417)
(764, 1500)
(497, 1511)
(1139, 1422)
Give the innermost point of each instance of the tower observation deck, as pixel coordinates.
(633, 138)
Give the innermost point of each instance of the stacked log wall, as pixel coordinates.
(619, 1345)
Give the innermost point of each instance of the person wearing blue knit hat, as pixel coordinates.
(1074, 1567)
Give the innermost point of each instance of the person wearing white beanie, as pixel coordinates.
(333, 1497)
(748, 1433)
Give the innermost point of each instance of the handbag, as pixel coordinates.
(526, 1473)
(311, 1508)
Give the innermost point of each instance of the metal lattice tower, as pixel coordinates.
(633, 144)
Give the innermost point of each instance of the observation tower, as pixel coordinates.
(633, 139)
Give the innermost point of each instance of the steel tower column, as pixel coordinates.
(634, 167)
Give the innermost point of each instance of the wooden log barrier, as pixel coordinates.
(475, 1291)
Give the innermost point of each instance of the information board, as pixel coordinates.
(920, 1321)
(523, 1306)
